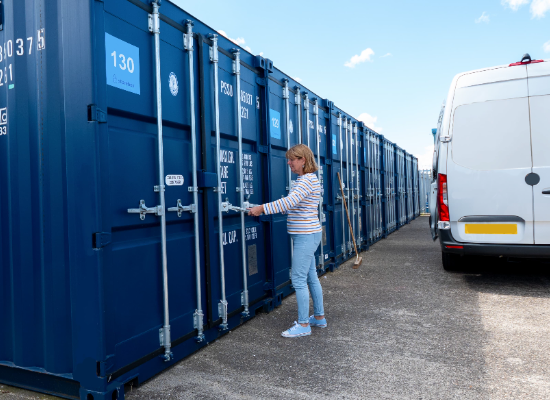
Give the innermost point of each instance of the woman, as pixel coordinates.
(303, 225)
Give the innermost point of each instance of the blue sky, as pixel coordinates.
(389, 62)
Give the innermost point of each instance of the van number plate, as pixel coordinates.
(491, 229)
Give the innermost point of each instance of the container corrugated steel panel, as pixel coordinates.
(90, 299)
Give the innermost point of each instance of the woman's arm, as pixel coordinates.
(301, 190)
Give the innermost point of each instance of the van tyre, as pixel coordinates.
(451, 262)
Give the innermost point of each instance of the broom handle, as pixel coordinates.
(347, 214)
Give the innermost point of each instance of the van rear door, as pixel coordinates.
(539, 101)
(489, 157)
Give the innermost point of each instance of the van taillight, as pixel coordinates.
(525, 63)
(442, 203)
(526, 59)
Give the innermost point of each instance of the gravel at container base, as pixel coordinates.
(398, 328)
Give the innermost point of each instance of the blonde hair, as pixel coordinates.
(302, 151)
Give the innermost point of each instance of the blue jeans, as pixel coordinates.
(304, 273)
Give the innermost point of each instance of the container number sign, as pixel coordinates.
(275, 126)
(122, 64)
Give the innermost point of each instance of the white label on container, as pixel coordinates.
(174, 180)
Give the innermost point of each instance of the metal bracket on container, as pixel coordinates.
(236, 63)
(297, 97)
(323, 217)
(213, 49)
(445, 139)
(244, 302)
(153, 27)
(164, 335)
(306, 103)
(143, 209)
(181, 208)
(158, 188)
(285, 89)
(197, 319)
(222, 312)
(188, 37)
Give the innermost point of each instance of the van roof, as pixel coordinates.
(487, 68)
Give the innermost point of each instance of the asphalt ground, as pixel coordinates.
(400, 327)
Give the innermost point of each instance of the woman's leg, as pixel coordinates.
(314, 284)
(304, 255)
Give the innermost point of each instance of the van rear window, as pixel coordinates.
(492, 135)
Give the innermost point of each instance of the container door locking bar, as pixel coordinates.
(240, 189)
(222, 305)
(338, 197)
(164, 332)
(198, 314)
(289, 182)
(321, 262)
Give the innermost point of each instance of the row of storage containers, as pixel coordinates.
(424, 186)
(134, 140)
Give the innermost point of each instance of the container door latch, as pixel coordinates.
(143, 210)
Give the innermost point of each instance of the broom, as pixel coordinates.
(358, 260)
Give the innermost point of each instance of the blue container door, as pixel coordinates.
(283, 134)
(339, 221)
(235, 262)
(378, 188)
(363, 185)
(133, 281)
(354, 183)
(35, 295)
(323, 123)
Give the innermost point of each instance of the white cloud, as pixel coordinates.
(261, 53)
(361, 58)
(484, 18)
(386, 55)
(239, 41)
(370, 121)
(296, 79)
(425, 160)
(546, 47)
(514, 4)
(539, 8)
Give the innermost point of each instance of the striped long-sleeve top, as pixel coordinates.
(301, 205)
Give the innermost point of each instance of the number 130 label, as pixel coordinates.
(122, 64)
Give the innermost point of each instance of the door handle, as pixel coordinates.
(546, 191)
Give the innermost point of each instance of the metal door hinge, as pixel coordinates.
(261, 81)
(328, 162)
(100, 240)
(96, 114)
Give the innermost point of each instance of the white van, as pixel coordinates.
(491, 189)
